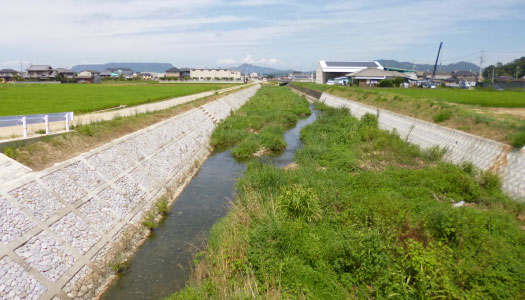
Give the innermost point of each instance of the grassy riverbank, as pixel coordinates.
(364, 215)
(469, 111)
(259, 125)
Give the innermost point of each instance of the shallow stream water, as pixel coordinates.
(162, 265)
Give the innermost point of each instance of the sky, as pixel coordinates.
(280, 34)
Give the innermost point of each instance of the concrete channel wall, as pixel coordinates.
(58, 225)
(504, 160)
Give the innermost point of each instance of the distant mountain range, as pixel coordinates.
(137, 67)
(460, 66)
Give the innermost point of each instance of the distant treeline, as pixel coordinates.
(516, 67)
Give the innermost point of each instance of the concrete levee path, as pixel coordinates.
(64, 227)
(8, 132)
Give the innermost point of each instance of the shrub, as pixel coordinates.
(149, 221)
(369, 120)
(489, 180)
(385, 83)
(300, 202)
(434, 153)
(162, 206)
(518, 140)
(10, 151)
(443, 116)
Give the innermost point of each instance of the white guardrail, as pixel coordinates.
(11, 121)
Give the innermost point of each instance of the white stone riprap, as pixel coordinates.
(84, 176)
(118, 204)
(485, 154)
(13, 222)
(76, 232)
(109, 162)
(60, 182)
(99, 214)
(87, 205)
(17, 283)
(33, 196)
(47, 255)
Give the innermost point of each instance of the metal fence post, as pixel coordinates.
(46, 120)
(67, 122)
(24, 125)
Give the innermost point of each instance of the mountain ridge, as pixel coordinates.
(136, 67)
(453, 67)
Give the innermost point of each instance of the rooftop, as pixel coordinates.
(40, 68)
(347, 66)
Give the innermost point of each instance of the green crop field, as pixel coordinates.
(471, 97)
(82, 98)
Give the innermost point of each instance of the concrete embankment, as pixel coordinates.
(461, 147)
(63, 227)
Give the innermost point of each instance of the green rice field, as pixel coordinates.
(83, 98)
(484, 98)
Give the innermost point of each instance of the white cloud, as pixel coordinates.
(249, 59)
(226, 61)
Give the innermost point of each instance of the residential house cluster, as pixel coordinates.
(37, 72)
(464, 79)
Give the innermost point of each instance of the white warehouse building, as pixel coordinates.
(327, 70)
(215, 73)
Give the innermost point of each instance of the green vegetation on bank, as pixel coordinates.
(434, 105)
(364, 216)
(81, 98)
(485, 98)
(259, 125)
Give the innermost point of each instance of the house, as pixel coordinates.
(105, 74)
(328, 70)
(254, 75)
(42, 72)
(371, 76)
(127, 73)
(465, 76)
(185, 73)
(65, 73)
(172, 73)
(7, 74)
(439, 78)
(144, 76)
(215, 74)
(88, 77)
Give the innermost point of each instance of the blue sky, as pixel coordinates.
(280, 34)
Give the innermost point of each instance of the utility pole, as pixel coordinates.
(493, 74)
(480, 64)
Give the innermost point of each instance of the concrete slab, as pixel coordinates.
(10, 169)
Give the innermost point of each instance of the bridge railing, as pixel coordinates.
(24, 120)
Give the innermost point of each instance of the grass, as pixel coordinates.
(364, 216)
(259, 124)
(52, 149)
(83, 98)
(472, 119)
(486, 98)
